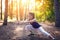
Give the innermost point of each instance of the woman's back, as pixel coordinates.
(35, 24)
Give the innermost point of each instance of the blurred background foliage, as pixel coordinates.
(18, 9)
(46, 11)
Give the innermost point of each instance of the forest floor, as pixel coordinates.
(15, 31)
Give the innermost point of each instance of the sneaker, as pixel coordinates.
(30, 34)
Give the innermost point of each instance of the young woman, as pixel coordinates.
(35, 27)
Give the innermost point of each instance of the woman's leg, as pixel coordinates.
(45, 32)
(29, 29)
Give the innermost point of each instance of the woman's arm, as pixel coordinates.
(25, 21)
(28, 21)
(34, 20)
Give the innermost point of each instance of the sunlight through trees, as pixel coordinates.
(19, 9)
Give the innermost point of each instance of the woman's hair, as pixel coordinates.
(32, 14)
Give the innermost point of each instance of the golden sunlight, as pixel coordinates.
(24, 1)
(18, 9)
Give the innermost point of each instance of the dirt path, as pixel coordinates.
(15, 31)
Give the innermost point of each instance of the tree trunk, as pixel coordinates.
(6, 12)
(1, 9)
(57, 13)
